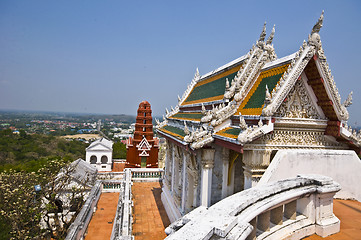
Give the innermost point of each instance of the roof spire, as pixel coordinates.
(263, 33)
(348, 101)
(196, 75)
(316, 28)
(270, 38)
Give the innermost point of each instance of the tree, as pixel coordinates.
(119, 150)
(45, 213)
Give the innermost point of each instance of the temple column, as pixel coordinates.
(225, 166)
(173, 170)
(255, 164)
(206, 182)
(230, 187)
(184, 183)
(167, 164)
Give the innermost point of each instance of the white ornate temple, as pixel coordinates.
(232, 122)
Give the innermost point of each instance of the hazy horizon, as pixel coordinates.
(105, 58)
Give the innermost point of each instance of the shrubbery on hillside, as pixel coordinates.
(29, 152)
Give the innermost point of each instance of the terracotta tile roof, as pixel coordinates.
(118, 167)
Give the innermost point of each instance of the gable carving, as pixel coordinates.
(298, 104)
(293, 138)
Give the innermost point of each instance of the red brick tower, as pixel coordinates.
(142, 149)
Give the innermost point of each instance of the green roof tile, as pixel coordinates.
(258, 97)
(211, 89)
(188, 116)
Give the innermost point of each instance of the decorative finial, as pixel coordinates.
(179, 99)
(318, 25)
(227, 84)
(348, 101)
(196, 75)
(268, 95)
(203, 109)
(270, 38)
(186, 130)
(242, 123)
(263, 33)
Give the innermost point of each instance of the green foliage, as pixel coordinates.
(29, 152)
(119, 150)
(22, 208)
(5, 229)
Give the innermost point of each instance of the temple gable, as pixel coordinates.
(299, 104)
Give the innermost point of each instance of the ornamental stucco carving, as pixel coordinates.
(288, 79)
(254, 61)
(295, 138)
(161, 124)
(195, 79)
(348, 100)
(198, 138)
(192, 168)
(251, 133)
(225, 112)
(298, 104)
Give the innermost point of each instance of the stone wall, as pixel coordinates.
(344, 166)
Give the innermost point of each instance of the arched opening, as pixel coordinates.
(93, 159)
(104, 160)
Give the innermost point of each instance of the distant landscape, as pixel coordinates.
(29, 139)
(30, 143)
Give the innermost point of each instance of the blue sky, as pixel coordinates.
(108, 56)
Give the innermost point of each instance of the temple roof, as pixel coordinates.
(240, 101)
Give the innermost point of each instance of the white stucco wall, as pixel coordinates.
(343, 166)
(99, 154)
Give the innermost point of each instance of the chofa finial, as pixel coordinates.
(348, 101)
(270, 38)
(263, 33)
(318, 25)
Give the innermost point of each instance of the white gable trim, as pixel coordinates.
(144, 147)
(92, 148)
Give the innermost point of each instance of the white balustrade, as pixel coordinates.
(291, 208)
(147, 174)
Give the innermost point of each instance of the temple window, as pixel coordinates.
(104, 159)
(93, 159)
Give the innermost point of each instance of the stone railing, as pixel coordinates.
(147, 174)
(110, 175)
(112, 185)
(78, 227)
(122, 226)
(291, 208)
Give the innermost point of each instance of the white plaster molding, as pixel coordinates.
(231, 218)
(288, 79)
(254, 132)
